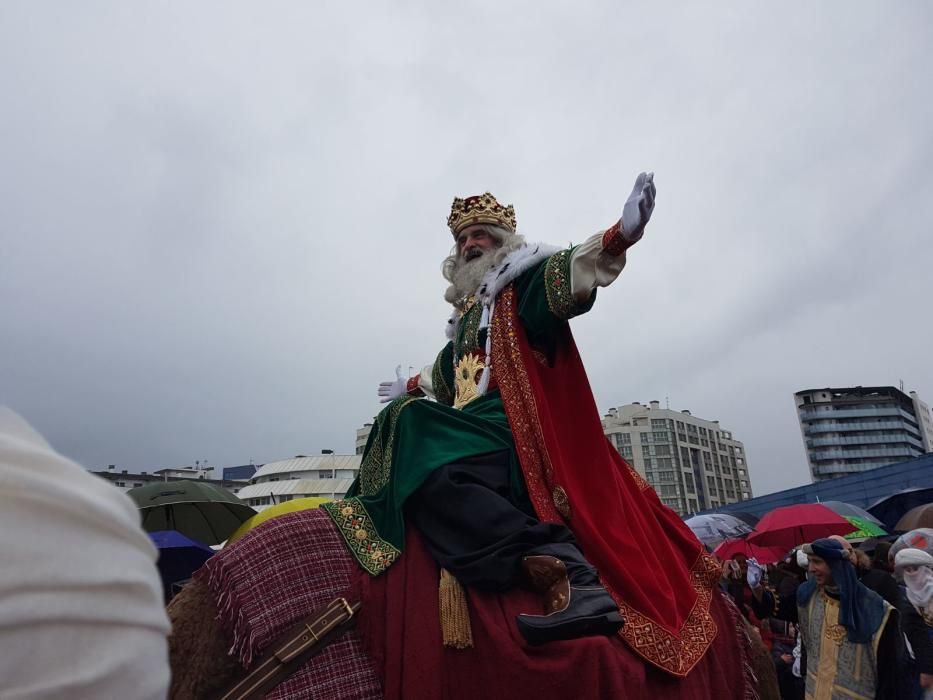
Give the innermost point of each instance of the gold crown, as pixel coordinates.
(480, 209)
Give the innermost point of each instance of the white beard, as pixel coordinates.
(468, 275)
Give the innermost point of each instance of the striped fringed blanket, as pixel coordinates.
(278, 573)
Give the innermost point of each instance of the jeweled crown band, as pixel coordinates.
(480, 209)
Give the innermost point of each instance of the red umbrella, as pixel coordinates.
(790, 526)
(763, 555)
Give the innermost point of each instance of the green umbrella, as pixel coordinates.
(866, 528)
(201, 511)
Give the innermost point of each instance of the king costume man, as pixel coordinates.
(495, 452)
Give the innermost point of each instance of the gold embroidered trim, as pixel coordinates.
(637, 478)
(557, 286)
(442, 391)
(677, 653)
(561, 501)
(376, 465)
(372, 552)
(519, 401)
(468, 335)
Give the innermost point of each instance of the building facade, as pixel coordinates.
(362, 435)
(125, 480)
(693, 464)
(854, 429)
(322, 476)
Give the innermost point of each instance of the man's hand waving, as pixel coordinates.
(638, 207)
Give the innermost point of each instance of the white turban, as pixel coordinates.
(919, 582)
(81, 609)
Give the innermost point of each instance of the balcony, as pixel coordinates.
(811, 413)
(894, 452)
(874, 439)
(836, 427)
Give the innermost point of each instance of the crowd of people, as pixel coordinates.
(842, 621)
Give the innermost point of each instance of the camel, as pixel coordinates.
(242, 600)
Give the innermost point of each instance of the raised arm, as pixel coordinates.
(599, 260)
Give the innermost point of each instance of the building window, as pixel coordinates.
(119, 483)
(658, 424)
(325, 473)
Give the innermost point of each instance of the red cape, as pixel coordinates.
(648, 559)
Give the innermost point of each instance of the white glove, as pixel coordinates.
(753, 574)
(392, 390)
(638, 207)
(798, 652)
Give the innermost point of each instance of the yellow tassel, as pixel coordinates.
(455, 615)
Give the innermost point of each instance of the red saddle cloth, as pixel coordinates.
(400, 629)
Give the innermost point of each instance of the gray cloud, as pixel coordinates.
(222, 224)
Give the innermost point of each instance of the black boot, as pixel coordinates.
(576, 603)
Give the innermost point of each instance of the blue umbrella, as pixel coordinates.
(179, 557)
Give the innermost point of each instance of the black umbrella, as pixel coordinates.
(892, 508)
(201, 511)
(752, 520)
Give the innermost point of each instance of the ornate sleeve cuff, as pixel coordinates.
(614, 241)
(413, 388)
(560, 297)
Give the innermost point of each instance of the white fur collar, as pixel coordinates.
(499, 276)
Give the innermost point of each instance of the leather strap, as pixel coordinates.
(300, 642)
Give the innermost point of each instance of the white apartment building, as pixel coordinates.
(362, 435)
(847, 430)
(693, 464)
(324, 476)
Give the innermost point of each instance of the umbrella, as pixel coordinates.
(179, 557)
(712, 528)
(866, 528)
(921, 516)
(764, 555)
(890, 508)
(748, 518)
(866, 524)
(847, 510)
(204, 512)
(793, 525)
(921, 538)
(281, 509)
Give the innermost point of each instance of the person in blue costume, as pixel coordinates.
(852, 645)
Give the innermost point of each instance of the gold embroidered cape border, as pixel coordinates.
(679, 653)
(372, 552)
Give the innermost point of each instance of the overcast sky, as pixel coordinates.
(222, 223)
